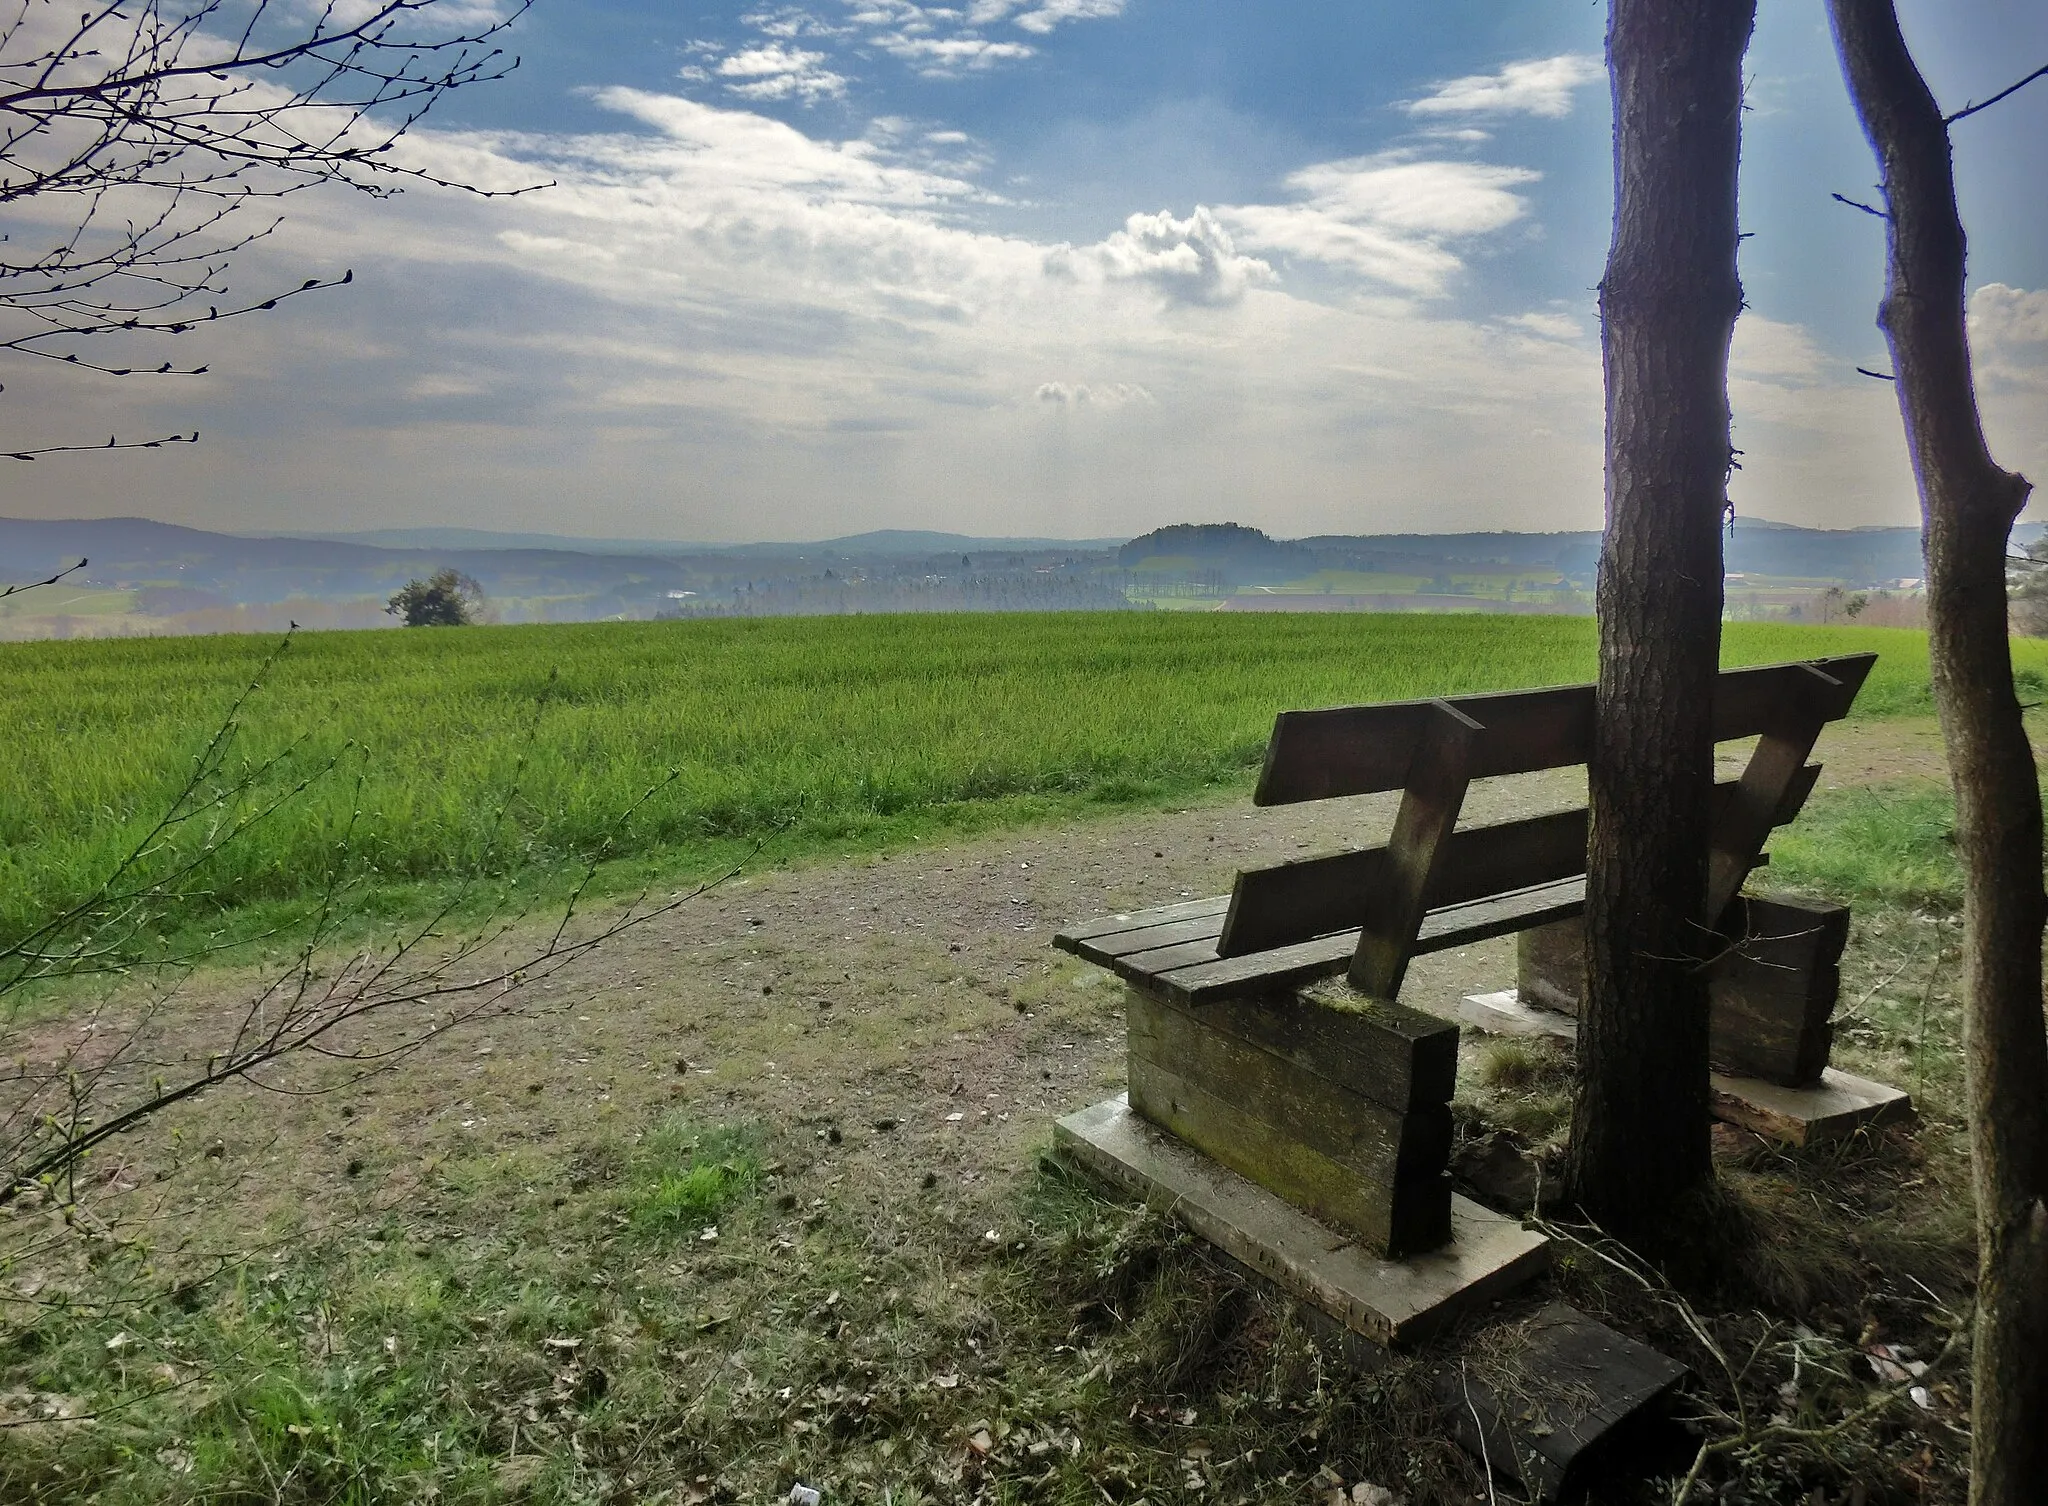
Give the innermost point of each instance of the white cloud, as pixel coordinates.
(1387, 217)
(2002, 315)
(2009, 336)
(942, 56)
(1770, 352)
(1048, 14)
(2009, 349)
(1535, 86)
(1422, 198)
(943, 41)
(704, 156)
(1547, 326)
(1190, 261)
(789, 23)
(1311, 234)
(1039, 16)
(777, 72)
(445, 384)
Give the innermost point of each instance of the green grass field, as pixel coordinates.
(524, 1268)
(813, 732)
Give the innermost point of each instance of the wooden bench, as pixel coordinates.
(1431, 885)
(1308, 1136)
(1340, 1107)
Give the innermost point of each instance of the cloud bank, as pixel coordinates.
(723, 325)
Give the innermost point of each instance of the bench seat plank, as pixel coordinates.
(1203, 928)
(1182, 962)
(1137, 920)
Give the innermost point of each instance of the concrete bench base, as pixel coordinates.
(1391, 1302)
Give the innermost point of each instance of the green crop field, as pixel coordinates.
(813, 732)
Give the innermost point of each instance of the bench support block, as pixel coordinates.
(1834, 1108)
(1345, 1113)
(1390, 1302)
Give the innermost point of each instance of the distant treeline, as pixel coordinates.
(831, 595)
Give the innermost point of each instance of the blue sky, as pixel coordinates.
(1074, 267)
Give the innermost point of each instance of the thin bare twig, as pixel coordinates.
(1968, 110)
(113, 443)
(16, 590)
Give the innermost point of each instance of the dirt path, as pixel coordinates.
(901, 1024)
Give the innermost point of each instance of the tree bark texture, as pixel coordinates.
(1668, 305)
(1970, 504)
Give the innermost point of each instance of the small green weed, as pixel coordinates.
(1511, 1063)
(1523, 1086)
(683, 1179)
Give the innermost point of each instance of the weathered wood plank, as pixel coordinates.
(1773, 993)
(1551, 1400)
(1460, 925)
(1430, 803)
(1308, 897)
(1193, 974)
(1377, 1145)
(1743, 824)
(1109, 925)
(1398, 1057)
(1106, 949)
(1836, 1107)
(1393, 1220)
(1160, 962)
(1550, 966)
(1203, 981)
(1362, 750)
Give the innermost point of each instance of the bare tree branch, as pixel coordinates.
(7, 591)
(134, 136)
(1968, 110)
(113, 443)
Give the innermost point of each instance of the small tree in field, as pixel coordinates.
(447, 598)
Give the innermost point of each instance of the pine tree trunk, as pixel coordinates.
(1970, 505)
(1668, 305)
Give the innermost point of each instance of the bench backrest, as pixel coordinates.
(1432, 750)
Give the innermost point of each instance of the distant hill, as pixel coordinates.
(1231, 549)
(147, 576)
